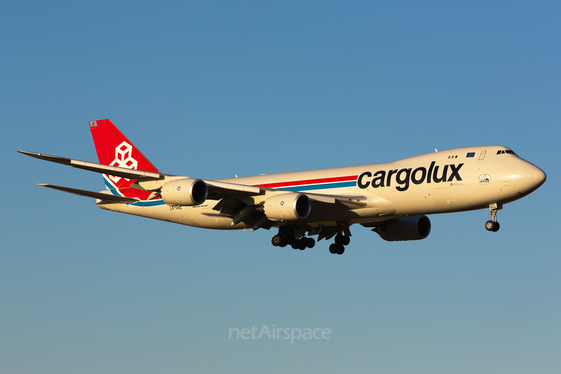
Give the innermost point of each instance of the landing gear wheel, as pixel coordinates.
(310, 242)
(276, 240)
(493, 226)
(341, 249)
(336, 249)
(342, 239)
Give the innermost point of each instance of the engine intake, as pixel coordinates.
(186, 192)
(288, 206)
(405, 228)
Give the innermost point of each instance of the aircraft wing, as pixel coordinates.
(96, 195)
(153, 181)
(219, 190)
(348, 201)
(99, 168)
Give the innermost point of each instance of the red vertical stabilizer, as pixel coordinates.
(113, 148)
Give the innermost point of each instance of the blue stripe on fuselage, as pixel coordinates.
(148, 203)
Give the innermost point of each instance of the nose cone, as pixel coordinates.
(539, 176)
(524, 177)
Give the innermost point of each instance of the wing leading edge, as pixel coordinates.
(98, 168)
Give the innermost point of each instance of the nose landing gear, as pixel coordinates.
(493, 225)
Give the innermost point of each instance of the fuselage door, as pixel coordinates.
(442, 198)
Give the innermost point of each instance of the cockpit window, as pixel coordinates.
(503, 151)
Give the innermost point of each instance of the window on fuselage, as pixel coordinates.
(507, 151)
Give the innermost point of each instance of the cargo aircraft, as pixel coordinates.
(393, 199)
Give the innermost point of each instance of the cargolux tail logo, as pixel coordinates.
(123, 159)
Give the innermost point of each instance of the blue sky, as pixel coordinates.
(214, 90)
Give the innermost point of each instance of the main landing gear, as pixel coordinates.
(493, 225)
(295, 236)
(340, 242)
(286, 237)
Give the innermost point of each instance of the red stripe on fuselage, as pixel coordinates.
(308, 181)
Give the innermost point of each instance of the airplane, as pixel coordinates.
(392, 199)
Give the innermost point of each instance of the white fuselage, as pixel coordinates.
(447, 181)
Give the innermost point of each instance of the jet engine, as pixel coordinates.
(405, 228)
(185, 191)
(288, 206)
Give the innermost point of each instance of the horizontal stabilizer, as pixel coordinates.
(96, 195)
(98, 168)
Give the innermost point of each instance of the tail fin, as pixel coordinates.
(113, 148)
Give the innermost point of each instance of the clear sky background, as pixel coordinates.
(215, 89)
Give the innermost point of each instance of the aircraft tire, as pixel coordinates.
(276, 240)
(337, 249)
(496, 226)
(489, 225)
(310, 242)
(341, 249)
(339, 238)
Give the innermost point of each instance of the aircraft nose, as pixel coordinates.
(539, 176)
(525, 177)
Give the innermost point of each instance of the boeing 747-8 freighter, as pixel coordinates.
(393, 199)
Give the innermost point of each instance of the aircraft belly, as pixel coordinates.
(197, 216)
(203, 216)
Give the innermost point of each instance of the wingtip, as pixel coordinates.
(27, 153)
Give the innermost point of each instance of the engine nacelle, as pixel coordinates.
(186, 192)
(405, 228)
(288, 206)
